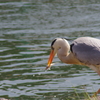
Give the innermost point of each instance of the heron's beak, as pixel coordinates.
(50, 59)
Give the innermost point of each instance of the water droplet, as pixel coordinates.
(33, 75)
(39, 74)
(44, 96)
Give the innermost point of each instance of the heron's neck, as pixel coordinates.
(67, 57)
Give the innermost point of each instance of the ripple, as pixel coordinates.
(9, 56)
(34, 52)
(16, 64)
(4, 49)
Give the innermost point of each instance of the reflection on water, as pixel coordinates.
(26, 31)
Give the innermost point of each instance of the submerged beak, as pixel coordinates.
(50, 59)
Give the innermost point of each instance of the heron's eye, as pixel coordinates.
(59, 47)
(52, 47)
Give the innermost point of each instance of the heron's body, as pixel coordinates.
(83, 51)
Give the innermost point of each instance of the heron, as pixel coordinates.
(82, 51)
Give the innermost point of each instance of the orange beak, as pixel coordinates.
(50, 59)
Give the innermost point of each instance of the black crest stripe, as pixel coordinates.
(53, 42)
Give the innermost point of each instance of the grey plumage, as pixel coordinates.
(87, 50)
(83, 51)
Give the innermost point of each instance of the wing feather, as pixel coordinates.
(87, 50)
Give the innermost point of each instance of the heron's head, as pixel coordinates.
(55, 46)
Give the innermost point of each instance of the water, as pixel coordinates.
(27, 28)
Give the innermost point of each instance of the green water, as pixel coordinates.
(27, 28)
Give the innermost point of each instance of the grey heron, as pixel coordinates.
(82, 51)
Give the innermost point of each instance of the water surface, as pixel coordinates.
(27, 28)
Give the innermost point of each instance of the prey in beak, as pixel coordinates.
(50, 59)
